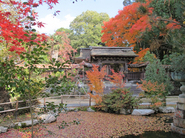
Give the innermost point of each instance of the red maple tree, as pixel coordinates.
(123, 29)
(15, 33)
(127, 27)
(60, 43)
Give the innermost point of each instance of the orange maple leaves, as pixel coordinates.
(126, 28)
(141, 55)
(154, 91)
(123, 29)
(95, 77)
(150, 87)
(96, 81)
(117, 78)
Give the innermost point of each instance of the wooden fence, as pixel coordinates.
(17, 102)
(135, 75)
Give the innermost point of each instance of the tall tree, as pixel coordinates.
(87, 29)
(61, 49)
(123, 29)
(15, 20)
(67, 31)
(156, 24)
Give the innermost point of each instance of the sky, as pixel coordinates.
(69, 10)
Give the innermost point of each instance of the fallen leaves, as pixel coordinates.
(99, 125)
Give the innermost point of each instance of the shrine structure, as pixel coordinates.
(116, 58)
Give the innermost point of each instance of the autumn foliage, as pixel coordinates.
(96, 82)
(123, 29)
(129, 25)
(60, 43)
(141, 55)
(65, 47)
(153, 91)
(14, 33)
(99, 124)
(116, 78)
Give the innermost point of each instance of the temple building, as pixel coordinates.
(116, 58)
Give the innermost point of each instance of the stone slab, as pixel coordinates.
(181, 106)
(179, 113)
(125, 111)
(90, 110)
(142, 111)
(177, 129)
(3, 129)
(181, 100)
(179, 122)
(47, 118)
(166, 109)
(27, 123)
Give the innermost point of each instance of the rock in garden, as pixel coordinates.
(90, 110)
(166, 109)
(125, 111)
(47, 118)
(53, 113)
(3, 129)
(142, 111)
(76, 110)
(70, 109)
(27, 123)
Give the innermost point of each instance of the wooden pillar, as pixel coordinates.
(44, 104)
(62, 99)
(16, 109)
(126, 71)
(44, 101)
(109, 69)
(83, 73)
(89, 100)
(100, 63)
(126, 66)
(121, 66)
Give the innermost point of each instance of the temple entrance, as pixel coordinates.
(116, 58)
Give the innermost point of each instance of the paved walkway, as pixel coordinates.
(81, 101)
(77, 102)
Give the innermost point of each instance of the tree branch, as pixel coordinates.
(172, 21)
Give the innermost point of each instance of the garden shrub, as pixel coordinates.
(93, 108)
(118, 99)
(22, 97)
(155, 76)
(83, 108)
(1, 109)
(153, 91)
(155, 72)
